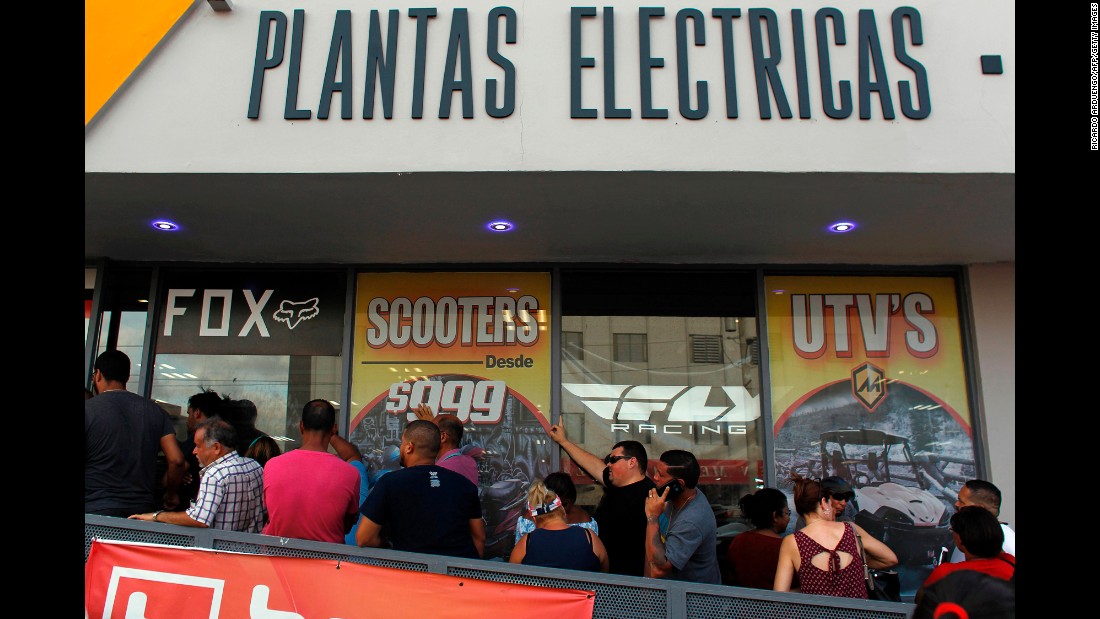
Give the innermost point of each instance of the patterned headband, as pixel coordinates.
(545, 508)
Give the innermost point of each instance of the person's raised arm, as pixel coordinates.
(591, 463)
(345, 449)
(784, 570)
(424, 412)
(879, 555)
(657, 564)
(177, 466)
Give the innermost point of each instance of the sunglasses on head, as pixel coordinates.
(609, 459)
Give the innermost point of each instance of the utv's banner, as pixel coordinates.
(475, 345)
(128, 580)
(868, 383)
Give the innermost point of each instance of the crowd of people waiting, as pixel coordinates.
(228, 474)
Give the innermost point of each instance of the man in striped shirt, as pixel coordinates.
(231, 487)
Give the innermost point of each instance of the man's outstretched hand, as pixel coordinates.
(424, 412)
(557, 433)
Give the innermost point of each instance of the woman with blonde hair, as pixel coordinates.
(554, 543)
(825, 553)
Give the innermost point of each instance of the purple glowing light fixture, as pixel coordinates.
(165, 226)
(500, 226)
(842, 226)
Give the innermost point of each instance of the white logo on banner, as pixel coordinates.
(292, 312)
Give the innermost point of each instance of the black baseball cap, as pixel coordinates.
(838, 487)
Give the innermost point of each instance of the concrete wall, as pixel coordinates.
(993, 297)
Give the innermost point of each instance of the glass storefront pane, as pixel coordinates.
(868, 383)
(129, 336)
(89, 290)
(270, 337)
(279, 386)
(668, 396)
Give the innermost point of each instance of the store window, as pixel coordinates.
(474, 345)
(642, 334)
(273, 338)
(89, 291)
(121, 323)
(868, 383)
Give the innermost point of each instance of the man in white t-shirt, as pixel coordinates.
(984, 494)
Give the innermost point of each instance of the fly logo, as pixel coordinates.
(869, 385)
(631, 408)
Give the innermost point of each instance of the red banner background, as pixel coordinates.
(167, 582)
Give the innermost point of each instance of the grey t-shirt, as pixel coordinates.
(122, 433)
(691, 542)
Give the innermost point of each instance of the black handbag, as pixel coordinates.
(883, 585)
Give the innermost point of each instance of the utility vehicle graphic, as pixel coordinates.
(893, 491)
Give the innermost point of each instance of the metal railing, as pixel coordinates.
(618, 597)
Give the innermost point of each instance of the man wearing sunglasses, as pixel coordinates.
(841, 499)
(621, 512)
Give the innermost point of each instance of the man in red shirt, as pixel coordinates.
(309, 492)
(978, 534)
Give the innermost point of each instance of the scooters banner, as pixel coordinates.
(868, 384)
(475, 345)
(133, 580)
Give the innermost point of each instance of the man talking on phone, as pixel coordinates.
(683, 544)
(625, 486)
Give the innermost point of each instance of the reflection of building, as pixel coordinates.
(656, 232)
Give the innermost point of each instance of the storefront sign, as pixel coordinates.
(217, 313)
(123, 580)
(852, 85)
(868, 383)
(475, 345)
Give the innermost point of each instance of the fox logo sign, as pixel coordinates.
(292, 313)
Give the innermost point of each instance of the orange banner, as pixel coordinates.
(123, 580)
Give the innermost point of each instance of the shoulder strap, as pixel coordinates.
(863, 557)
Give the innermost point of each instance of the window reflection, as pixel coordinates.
(279, 386)
(688, 383)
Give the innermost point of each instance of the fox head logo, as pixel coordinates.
(292, 313)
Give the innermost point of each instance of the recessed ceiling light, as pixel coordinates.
(500, 226)
(842, 226)
(512, 289)
(779, 291)
(165, 226)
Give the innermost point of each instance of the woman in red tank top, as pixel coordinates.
(825, 554)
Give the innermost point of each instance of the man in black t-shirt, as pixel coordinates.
(621, 512)
(423, 507)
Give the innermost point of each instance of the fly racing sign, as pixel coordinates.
(223, 313)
